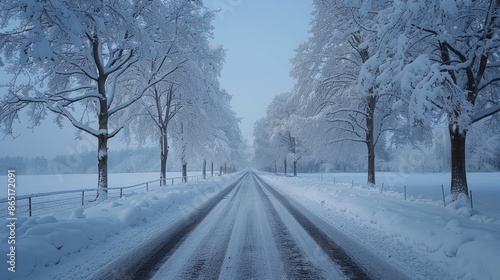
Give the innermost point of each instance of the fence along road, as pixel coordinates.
(47, 203)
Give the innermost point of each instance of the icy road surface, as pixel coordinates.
(253, 232)
(238, 227)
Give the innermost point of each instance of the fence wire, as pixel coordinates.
(41, 204)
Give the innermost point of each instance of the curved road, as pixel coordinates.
(252, 231)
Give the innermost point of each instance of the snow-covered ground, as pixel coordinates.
(53, 193)
(419, 236)
(464, 243)
(73, 243)
(485, 187)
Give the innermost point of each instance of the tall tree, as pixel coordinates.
(71, 58)
(262, 157)
(186, 27)
(457, 74)
(334, 74)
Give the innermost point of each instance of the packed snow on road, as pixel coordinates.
(250, 233)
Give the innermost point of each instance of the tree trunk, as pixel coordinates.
(294, 168)
(275, 168)
(163, 158)
(371, 164)
(102, 141)
(225, 169)
(370, 141)
(220, 172)
(285, 165)
(212, 169)
(184, 172)
(102, 166)
(458, 168)
(204, 169)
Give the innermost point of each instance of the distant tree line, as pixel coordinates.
(123, 161)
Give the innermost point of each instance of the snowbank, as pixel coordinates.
(45, 242)
(463, 243)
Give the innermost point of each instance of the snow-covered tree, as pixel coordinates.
(483, 145)
(441, 55)
(234, 153)
(187, 110)
(456, 71)
(71, 58)
(262, 148)
(184, 33)
(206, 128)
(275, 135)
(337, 79)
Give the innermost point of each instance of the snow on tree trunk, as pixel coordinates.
(294, 168)
(163, 158)
(275, 168)
(458, 166)
(102, 139)
(212, 169)
(102, 166)
(285, 165)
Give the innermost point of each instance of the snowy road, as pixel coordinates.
(241, 227)
(252, 232)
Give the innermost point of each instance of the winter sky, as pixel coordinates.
(260, 38)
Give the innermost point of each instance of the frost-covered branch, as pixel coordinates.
(485, 113)
(61, 110)
(348, 139)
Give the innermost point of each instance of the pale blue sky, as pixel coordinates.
(260, 38)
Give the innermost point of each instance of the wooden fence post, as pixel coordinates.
(442, 191)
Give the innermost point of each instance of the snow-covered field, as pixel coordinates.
(485, 187)
(53, 193)
(460, 243)
(30, 184)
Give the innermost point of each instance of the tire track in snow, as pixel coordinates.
(252, 252)
(208, 256)
(296, 265)
(246, 232)
(350, 268)
(146, 268)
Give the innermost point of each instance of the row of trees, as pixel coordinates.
(142, 67)
(136, 160)
(381, 73)
(122, 161)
